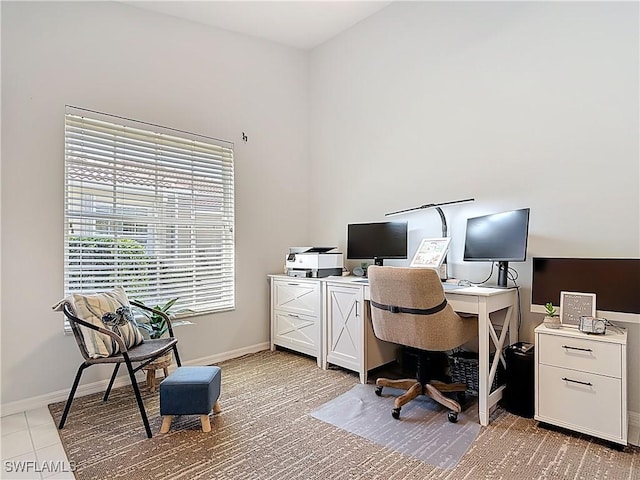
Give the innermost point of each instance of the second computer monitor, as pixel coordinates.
(499, 237)
(377, 241)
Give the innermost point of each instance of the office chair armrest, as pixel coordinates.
(117, 338)
(157, 312)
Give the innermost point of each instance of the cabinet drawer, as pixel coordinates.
(593, 406)
(296, 297)
(295, 331)
(592, 356)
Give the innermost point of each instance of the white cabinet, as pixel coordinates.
(344, 320)
(581, 381)
(296, 309)
(327, 319)
(330, 319)
(350, 340)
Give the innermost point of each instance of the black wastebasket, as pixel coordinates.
(518, 395)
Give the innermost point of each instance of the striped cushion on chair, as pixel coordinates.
(108, 310)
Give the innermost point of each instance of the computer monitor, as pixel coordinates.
(499, 237)
(615, 281)
(377, 241)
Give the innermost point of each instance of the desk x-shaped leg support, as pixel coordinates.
(486, 331)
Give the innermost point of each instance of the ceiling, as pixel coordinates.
(302, 24)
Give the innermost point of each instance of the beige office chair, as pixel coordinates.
(408, 307)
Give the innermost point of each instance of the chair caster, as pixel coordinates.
(453, 417)
(395, 413)
(379, 391)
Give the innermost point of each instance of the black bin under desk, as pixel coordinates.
(518, 395)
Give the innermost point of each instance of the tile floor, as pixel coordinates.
(31, 447)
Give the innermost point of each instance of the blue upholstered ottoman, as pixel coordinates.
(190, 391)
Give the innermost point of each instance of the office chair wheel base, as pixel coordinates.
(453, 417)
(378, 391)
(395, 413)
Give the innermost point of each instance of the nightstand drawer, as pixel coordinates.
(582, 401)
(583, 354)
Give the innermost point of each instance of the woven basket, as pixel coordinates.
(464, 368)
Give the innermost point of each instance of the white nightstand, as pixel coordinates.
(581, 381)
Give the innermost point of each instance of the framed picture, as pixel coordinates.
(574, 305)
(431, 252)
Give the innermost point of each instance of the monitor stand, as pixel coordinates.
(503, 269)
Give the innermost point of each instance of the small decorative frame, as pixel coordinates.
(574, 305)
(431, 252)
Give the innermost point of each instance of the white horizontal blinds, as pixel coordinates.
(149, 209)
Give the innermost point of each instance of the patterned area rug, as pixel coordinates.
(423, 431)
(266, 431)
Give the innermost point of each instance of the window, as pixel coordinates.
(148, 208)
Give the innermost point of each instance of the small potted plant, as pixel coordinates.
(156, 325)
(551, 319)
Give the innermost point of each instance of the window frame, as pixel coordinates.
(132, 185)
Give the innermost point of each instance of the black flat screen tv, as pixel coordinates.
(498, 237)
(377, 241)
(615, 281)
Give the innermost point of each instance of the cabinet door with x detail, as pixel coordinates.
(345, 305)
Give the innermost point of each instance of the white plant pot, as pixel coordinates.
(552, 322)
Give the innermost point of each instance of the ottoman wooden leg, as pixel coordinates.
(166, 424)
(206, 425)
(216, 408)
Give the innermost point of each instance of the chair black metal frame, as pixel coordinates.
(145, 353)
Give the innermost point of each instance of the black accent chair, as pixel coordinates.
(144, 354)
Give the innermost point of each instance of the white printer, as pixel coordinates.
(314, 262)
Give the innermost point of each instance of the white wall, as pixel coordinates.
(122, 60)
(516, 104)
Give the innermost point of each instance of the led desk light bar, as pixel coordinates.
(443, 268)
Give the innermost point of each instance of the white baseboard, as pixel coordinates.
(100, 386)
(634, 428)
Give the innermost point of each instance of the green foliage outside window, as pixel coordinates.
(108, 261)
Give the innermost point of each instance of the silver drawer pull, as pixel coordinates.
(589, 384)
(293, 315)
(576, 348)
(293, 284)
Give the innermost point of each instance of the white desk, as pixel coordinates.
(483, 302)
(347, 339)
